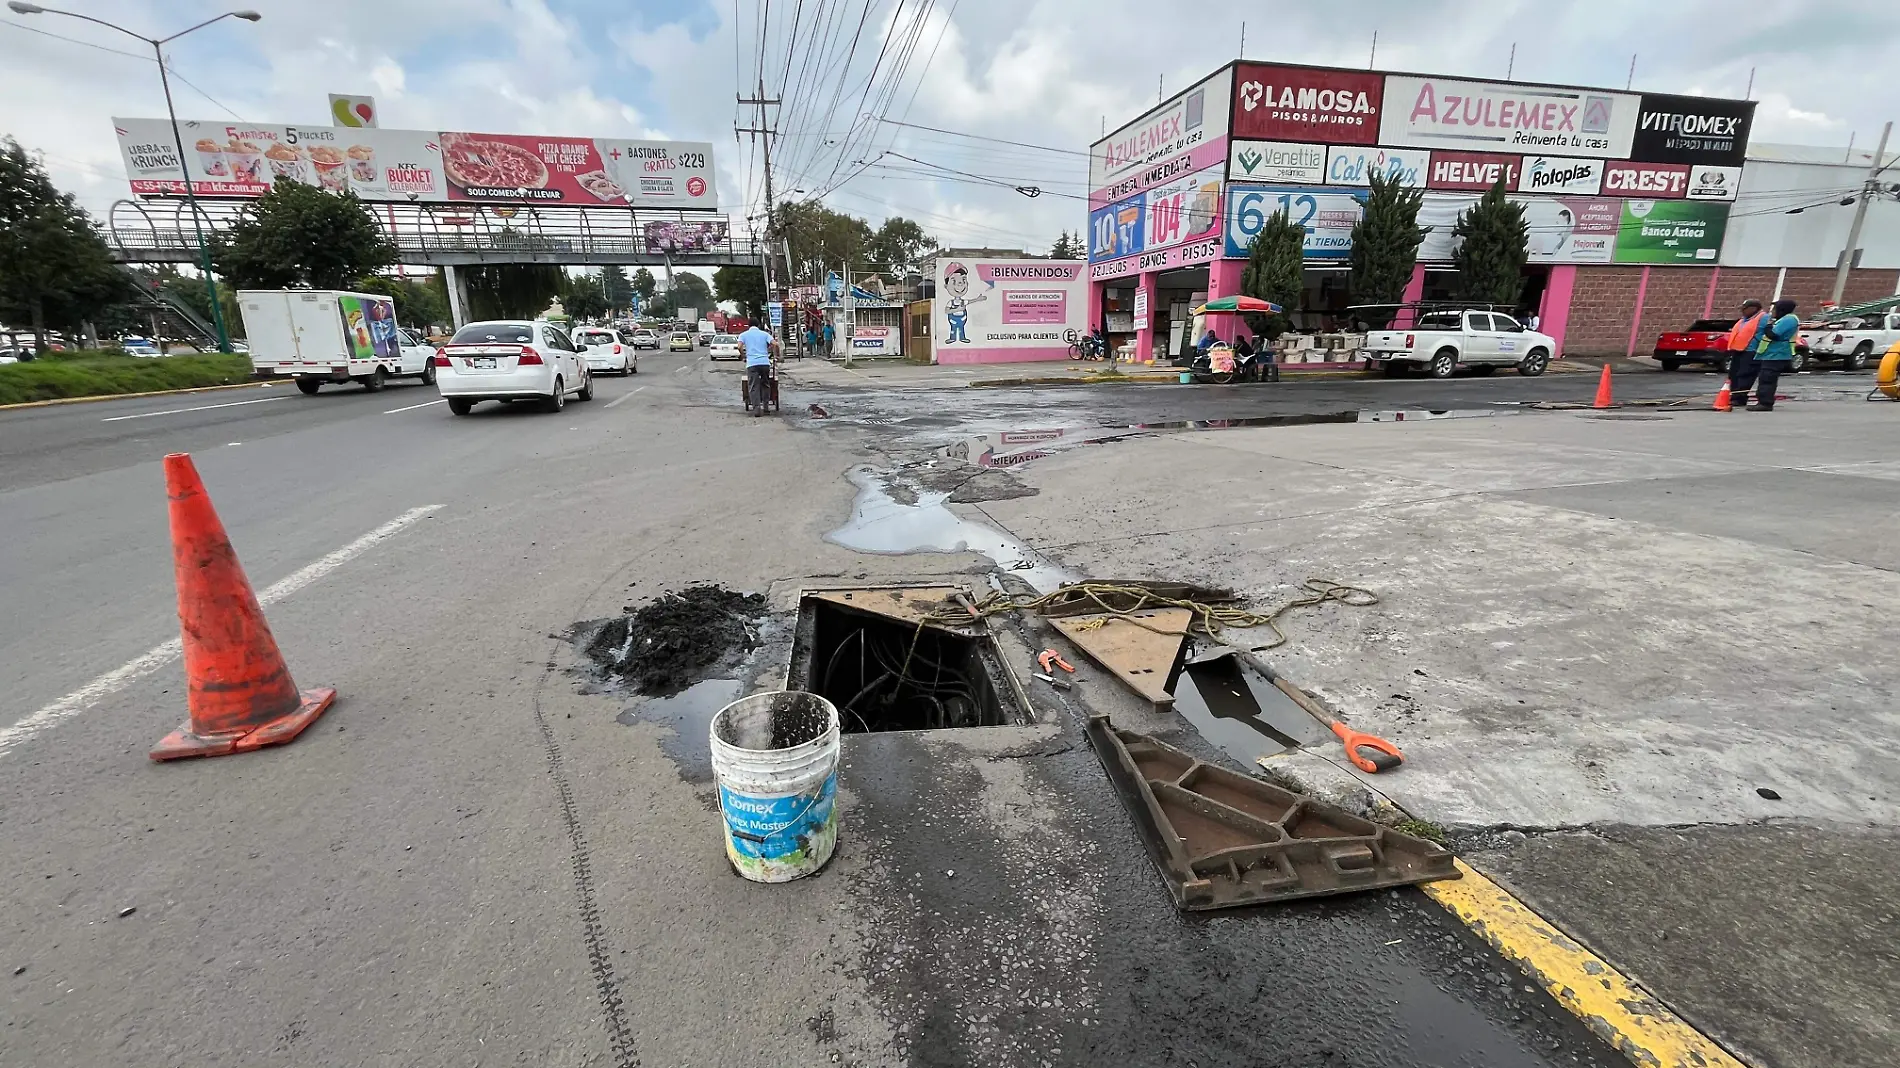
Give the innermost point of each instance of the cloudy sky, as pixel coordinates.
(1044, 73)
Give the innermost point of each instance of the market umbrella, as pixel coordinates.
(1238, 304)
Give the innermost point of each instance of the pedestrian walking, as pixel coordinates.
(831, 336)
(1741, 352)
(1774, 354)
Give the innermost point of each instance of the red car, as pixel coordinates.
(1706, 341)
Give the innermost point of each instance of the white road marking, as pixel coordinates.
(687, 367)
(413, 407)
(623, 397)
(117, 679)
(200, 408)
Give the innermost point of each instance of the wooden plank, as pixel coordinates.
(908, 604)
(1142, 654)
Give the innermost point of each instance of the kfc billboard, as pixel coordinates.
(1303, 104)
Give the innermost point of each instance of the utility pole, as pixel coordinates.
(1868, 191)
(763, 131)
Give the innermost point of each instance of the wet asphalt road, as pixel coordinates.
(471, 861)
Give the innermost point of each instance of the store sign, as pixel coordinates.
(991, 310)
(1671, 231)
(1693, 130)
(1188, 254)
(1183, 210)
(245, 160)
(1276, 161)
(1191, 121)
(1444, 113)
(1118, 230)
(1558, 174)
(1655, 180)
(1303, 104)
(1477, 171)
(1141, 309)
(1714, 183)
(1560, 229)
(1328, 215)
(1353, 166)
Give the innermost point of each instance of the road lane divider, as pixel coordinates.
(117, 679)
(624, 397)
(413, 407)
(181, 411)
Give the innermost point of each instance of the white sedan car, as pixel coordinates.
(725, 347)
(512, 360)
(605, 352)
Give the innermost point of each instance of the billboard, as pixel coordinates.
(1327, 214)
(1693, 130)
(1558, 174)
(1671, 231)
(1276, 161)
(992, 311)
(1500, 116)
(1183, 210)
(1119, 229)
(1665, 181)
(1350, 166)
(1473, 171)
(1307, 104)
(245, 160)
(1186, 134)
(1562, 229)
(683, 236)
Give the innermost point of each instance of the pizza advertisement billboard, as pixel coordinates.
(245, 160)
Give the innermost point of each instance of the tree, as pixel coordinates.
(822, 239)
(744, 286)
(1067, 247)
(54, 267)
(691, 291)
(614, 285)
(1493, 242)
(581, 296)
(299, 236)
(1276, 271)
(1385, 244)
(643, 285)
(899, 244)
(511, 290)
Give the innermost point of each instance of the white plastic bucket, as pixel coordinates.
(775, 756)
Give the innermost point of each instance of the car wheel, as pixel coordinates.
(375, 380)
(633, 368)
(1857, 359)
(556, 401)
(1445, 364)
(1671, 365)
(308, 386)
(1484, 369)
(1799, 363)
(460, 406)
(1534, 363)
(428, 373)
(587, 387)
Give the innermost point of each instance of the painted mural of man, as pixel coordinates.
(956, 283)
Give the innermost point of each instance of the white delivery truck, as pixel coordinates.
(325, 335)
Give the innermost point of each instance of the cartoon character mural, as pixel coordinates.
(956, 282)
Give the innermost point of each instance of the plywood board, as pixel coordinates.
(1140, 648)
(906, 603)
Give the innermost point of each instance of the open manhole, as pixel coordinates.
(858, 650)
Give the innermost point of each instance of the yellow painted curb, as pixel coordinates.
(129, 396)
(1613, 1007)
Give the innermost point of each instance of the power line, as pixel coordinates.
(980, 137)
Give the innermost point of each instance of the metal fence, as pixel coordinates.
(159, 230)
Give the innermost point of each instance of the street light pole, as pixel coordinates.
(19, 7)
(1868, 191)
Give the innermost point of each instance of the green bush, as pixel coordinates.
(73, 374)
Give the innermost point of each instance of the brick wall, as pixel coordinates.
(1604, 299)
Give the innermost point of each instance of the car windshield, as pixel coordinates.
(487, 333)
(1710, 326)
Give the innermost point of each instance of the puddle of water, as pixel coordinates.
(879, 524)
(689, 713)
(1240, 712)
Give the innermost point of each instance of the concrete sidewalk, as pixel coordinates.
(1642, 661)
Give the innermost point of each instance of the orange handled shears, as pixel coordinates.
(1385, 756)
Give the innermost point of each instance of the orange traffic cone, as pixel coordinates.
(239, 692)
(1722, 399)
(1603, 390)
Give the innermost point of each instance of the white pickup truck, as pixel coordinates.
(1855, 340)
(324, 335)
(1444, 341)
